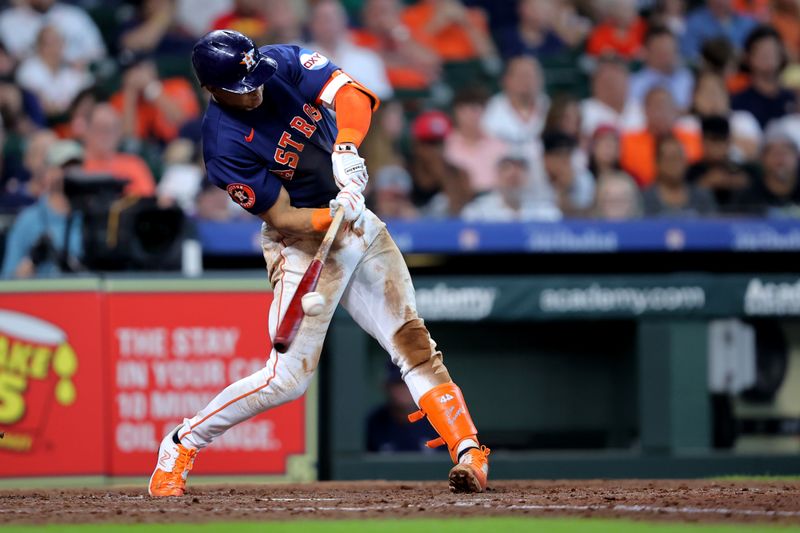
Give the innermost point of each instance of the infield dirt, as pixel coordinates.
(688, 501)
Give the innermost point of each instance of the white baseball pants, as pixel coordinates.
(367, 274)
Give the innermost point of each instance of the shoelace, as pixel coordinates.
(183, 463)
(467, 457)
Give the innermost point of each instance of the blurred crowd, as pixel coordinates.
(492, 111)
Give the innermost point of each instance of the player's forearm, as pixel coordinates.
(299, 221)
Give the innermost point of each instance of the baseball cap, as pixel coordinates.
(431, 126)
(604, 129)
(61, 153)
(516, 157)
(556, 141)
(778, 133)
(393, 178)
(715, 127)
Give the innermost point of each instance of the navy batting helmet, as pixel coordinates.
(231, 61)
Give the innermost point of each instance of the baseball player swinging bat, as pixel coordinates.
(308, 284)
(271, 141)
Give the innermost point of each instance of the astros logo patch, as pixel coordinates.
(242, 195)
(312, 60)
(248, 59)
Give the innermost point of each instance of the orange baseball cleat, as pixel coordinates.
(173, 466)
(471, 472)
(445, 409)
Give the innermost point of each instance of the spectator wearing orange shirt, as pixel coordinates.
(409, 64)
(102, 156)
(621, 32)
(758, 9)
(638, 152)
(454, 32)
(153, 109)
(786, 20)
(247, 16)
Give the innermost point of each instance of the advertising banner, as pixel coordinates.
(169, 354)
(510, 298)
(53, 407)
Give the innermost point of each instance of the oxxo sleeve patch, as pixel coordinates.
(312, 60)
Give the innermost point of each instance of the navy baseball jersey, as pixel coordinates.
(287, 141)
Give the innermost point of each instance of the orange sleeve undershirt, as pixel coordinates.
(353, 114)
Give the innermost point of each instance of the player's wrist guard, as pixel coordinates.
(321, 219)
(348, 167)
(345, 147)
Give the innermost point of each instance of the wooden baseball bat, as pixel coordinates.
(287, 329)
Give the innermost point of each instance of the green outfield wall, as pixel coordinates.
(574, 376)
(566, 376)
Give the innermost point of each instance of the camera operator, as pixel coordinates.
(35, 243)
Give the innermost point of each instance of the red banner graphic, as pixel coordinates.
(90, 382)
(52, 397)
(169, 354)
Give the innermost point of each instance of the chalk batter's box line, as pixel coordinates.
(477, 503)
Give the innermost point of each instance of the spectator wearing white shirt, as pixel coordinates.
(618, 197)
(54, 82)
(329, 34)
(20, 26)
(609, 104)
(510, 201)
(182, 179)
(516, 114)
(567, 188)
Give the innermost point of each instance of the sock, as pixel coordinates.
(465, 445)
(175, 438)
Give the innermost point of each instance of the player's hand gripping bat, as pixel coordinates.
(287, 329)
